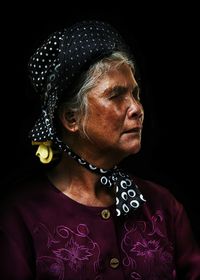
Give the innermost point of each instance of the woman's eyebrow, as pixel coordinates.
(118, 89)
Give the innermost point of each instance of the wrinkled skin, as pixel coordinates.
(115, 116)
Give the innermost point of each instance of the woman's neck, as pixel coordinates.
(80, 184)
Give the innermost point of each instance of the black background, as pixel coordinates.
(164, 39)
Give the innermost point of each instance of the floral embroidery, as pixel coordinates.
(147, 249)
(74, 253)
(69, 250)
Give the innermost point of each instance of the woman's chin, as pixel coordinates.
(134, 149)
(129, 151)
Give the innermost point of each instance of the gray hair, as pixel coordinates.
(79, 101)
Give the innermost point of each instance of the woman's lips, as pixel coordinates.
(137, 129)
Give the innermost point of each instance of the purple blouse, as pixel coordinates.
(47, 235)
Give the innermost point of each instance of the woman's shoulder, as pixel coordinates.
(157, 194)
(151, 186)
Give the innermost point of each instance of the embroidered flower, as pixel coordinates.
(145, 248)
(73, 253)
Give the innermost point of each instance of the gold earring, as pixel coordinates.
(44, 151)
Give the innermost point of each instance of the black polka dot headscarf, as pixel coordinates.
(53, 69)
(61, 58)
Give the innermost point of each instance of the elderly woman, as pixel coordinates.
(84, 217)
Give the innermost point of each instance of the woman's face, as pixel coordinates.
(115, 115)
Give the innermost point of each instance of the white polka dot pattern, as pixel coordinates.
(60, 60)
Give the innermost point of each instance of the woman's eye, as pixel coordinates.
(114, 95)
(119, 92)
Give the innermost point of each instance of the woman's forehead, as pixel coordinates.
(120, 77)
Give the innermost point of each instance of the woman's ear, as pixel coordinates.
(68, 119)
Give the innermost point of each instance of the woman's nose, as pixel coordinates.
(135, 109)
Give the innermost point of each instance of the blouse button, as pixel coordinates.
(114, 263)
(105, 214)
